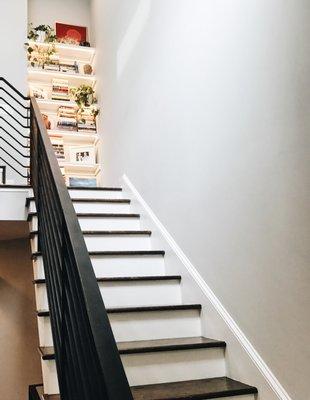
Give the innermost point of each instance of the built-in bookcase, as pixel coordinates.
(73, 133)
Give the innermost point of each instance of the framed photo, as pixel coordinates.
(71, 32)
(82, 155)
(58, 147)
(76, 181)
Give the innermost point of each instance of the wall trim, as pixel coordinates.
(234, 328)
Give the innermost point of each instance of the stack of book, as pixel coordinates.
(67, 118)
(86, 122)
(60, 90)
(69, 67)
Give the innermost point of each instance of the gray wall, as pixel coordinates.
(206, 109)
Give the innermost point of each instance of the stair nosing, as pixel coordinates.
(88, 200)
(160, 348)
(42, 281)
(115, 253)
(107, 189)
(96, 215)
(121, 310)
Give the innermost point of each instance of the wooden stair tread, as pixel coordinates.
(117, 253)
(211, 388)
(117, 232)
(118, 310)
(89, 200)
(150, 346)
(113, 189)
(127, 278)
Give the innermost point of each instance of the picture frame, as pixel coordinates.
(73, 33)
(82, 155)
(58, 146)
(79, 181)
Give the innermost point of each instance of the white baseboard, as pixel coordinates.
(265, 371)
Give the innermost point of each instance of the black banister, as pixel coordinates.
(10, 134)
(87, 359)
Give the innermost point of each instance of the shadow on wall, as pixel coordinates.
(18, 333)
(132, 34)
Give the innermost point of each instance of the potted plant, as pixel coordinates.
(42, 33)
(38, 56)
(83, 95)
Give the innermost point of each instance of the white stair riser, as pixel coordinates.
(155, 325)
(96, 194)
(141, 326)
(117, 242)
(105, 266)
(38, 268)
(45, 331)
(49, 374)
(125, 294)
(173, 366)
(93, 207)
(32, 206)
(102, 207)
(33, 224)
(99, 224)
(109, 242)
(34, 243)
(115, 266)
(111, 223)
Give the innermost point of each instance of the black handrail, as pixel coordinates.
(87, 359)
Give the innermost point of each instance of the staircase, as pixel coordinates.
(112, 323)
(158, 336)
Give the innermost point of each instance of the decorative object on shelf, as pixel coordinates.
(82, 155)
(65, 31)
(47, 122)
(42, 34)
(88, 69)
(58, 147)
(76, 181)
(60, 90)
(85, 44)
(38, 92)
(39, 56)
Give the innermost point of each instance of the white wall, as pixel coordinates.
(13, 32)
(206, 109)
(75, 12)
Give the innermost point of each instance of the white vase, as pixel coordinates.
(41, 36)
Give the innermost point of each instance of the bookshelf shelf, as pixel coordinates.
(79, 168)
(71, 53)
(53, 105)
(75, 137)
(37, 76)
